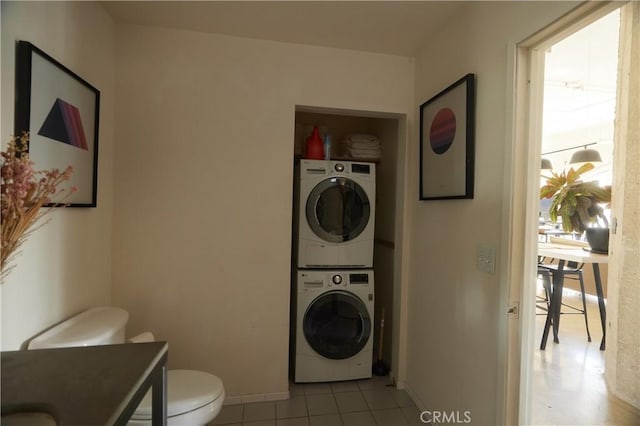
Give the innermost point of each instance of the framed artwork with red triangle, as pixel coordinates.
(61, 112)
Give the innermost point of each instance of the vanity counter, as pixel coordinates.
(93, 385)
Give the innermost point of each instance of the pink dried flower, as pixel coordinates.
(23, 194)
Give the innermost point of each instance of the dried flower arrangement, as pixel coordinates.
(24, 192)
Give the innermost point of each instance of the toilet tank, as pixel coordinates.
(96, 326)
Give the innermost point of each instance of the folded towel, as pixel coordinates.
(361, 138)
(356, 153)
(364, 151)
(360, 145)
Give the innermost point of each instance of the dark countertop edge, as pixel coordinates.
(144, 376)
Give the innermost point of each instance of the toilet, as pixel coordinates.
(194, 398)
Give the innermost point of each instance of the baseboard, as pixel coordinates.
(403, 386)
(412, 395)
(256, 397)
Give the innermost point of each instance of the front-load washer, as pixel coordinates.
(335, 214)
(333, 314)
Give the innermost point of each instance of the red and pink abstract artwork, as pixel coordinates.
(443, 130)
(63, 123)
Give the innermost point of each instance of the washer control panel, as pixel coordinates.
(318, 280)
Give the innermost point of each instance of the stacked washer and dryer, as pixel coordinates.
(333, 289)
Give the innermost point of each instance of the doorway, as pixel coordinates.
(525, 204)
(578, 110)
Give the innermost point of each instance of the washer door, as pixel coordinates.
(337, 325)
(338, 209)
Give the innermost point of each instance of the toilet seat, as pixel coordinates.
(187, 390)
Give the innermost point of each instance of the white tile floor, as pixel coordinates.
(370, 402)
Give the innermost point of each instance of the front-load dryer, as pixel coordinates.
(335, 214)
(333, 317)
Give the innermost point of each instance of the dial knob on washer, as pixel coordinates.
(339, 167)
(337, 279)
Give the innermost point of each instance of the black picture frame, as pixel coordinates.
(447, 142)
(61, 112)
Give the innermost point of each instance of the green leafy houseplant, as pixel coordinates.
(578, 203)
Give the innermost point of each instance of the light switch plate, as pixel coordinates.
(486, 258)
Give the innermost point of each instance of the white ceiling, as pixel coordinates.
(580, 93)
(581, 75)
(390, 27)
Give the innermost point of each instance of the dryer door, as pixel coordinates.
(337, 325)
(338, 209)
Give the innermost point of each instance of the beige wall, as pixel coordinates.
(205, 134)
(453, 357)
(65, 266)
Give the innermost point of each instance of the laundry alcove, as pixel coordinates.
(389, 128)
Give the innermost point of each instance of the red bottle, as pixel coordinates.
(315, 149)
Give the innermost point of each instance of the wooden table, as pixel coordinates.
(566, 253)
(92, 385)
